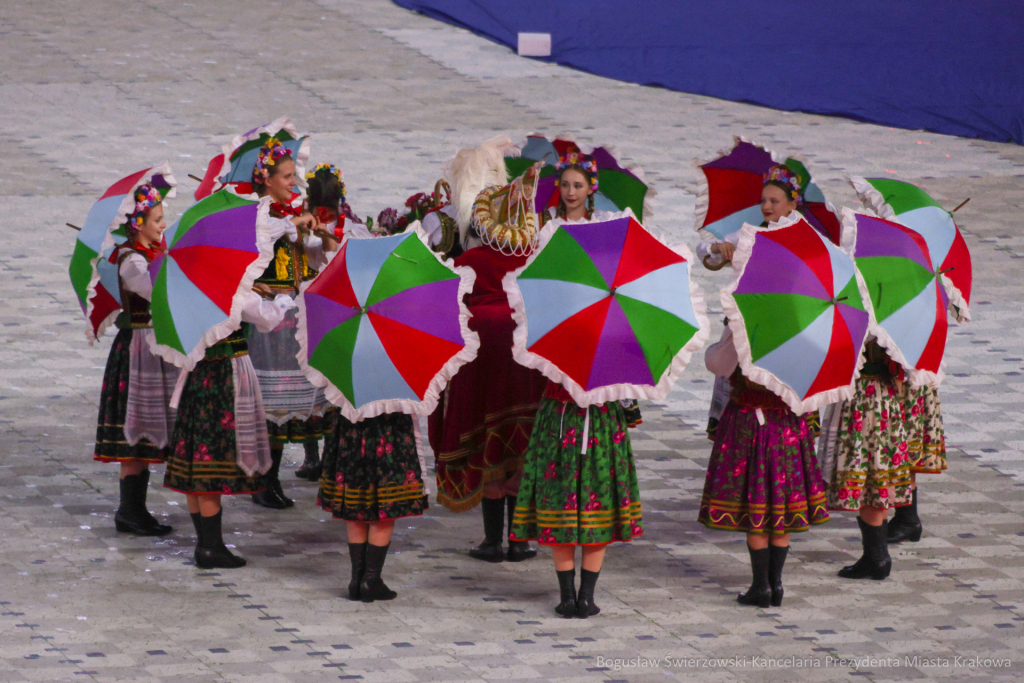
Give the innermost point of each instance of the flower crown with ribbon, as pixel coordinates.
(146, 197)
(581, 160)
(785, 177)
(270, 153)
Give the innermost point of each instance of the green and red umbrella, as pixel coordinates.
(383, 327)
(911, 206)
(606, 310)
(216, 250)
(93, 266)
(233, 166)
(619, 187)
(907, 295)
(729, 193)
(798, 312)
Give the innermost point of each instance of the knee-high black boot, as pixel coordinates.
(776, 561)
(271, 497)
(585, 606)
(160, 529)
(494, 523)
(132, 516)
(905, 525)
(517, 550)
(567, 590)
(759, 594)
(875, 563)
(372, 587)
(311, 466)
(357, 553)
(211, 552)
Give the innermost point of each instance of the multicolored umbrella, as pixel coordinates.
(908, 299)
(911, 206)
(234, 165)
(93, 269)
(607, 310)
(619, 187)
(729, 193)
(383, 327)
(799, 314)
(216, 251)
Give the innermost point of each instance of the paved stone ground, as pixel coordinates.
(90, 91)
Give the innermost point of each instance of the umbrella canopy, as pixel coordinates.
(799, 313)
(233, 166)
(93, 266)
(912, 207)
(729, 193)
(619, 187)
(607, 310)
(383, 327)
(216, 250)
(908, 299)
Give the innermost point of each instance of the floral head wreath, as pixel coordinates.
(146, 197)
(785, 177)
(584, 161)
(270, 153)
(334, 171)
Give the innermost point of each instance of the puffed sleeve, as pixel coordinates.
(315, 252)
(134, 271)
(721, 358)
(264, 314)
(714, 260)
(279, 227)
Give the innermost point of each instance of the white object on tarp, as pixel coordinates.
(534, 45)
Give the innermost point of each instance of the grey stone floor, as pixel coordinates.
(91, 91)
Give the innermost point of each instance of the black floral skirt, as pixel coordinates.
(202, 447)
(111, 445)
(297, 430)
(371, 471)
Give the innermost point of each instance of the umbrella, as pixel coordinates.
(233, 166)
(383, 327)
(619, 187)
(908, 299)
(93, 266)
(912, 207)
(607, 310)
(798, 312)
(729, 193)
(217, 249)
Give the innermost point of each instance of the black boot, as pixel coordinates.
(197, 522)
(211, 552)
(905, 524)
(776, 561)
(372, 587)
(311, 466)
(494, 523)
(585, 606)
(517, 550)
(759, 594)
(875, 563)
(357, 553)
(567, 589)
(131, 516)
(271, 496)
(160, 529)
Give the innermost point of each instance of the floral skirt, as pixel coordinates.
(111, 444)
(203, 446)
(927, 437)
(763, 479)
(872, 460)
(568, 497)
(297, 430)
(371, 470)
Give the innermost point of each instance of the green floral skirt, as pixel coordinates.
(371, 471)
(568, 497)
(111, 445)
(202, 457)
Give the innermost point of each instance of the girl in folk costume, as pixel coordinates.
(927, 453)
(482, 425)
(579, 484)
(135, 419)
(865, 452)
(294, 406)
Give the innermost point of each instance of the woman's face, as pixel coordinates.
(775, 203)
(152, 230)
(575, 189)
(280, 184)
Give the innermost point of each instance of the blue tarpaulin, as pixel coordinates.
(945, 66)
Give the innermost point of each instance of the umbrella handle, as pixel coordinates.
(441, 184)
(718, 267)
